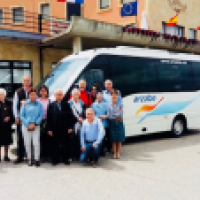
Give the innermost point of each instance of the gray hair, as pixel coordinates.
(3, 91)
(26, 76)
(89, 109)
(82, 80)
(58, 90)
(75, 90)
(108, 80)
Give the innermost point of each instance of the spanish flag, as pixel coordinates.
(173, 21)
(198, 28)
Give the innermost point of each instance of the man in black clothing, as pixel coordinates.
(60, 122)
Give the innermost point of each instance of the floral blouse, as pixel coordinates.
(115, 111)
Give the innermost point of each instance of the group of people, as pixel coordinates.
(81, 128)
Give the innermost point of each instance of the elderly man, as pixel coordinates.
(60, 122)
(92, 133)
(84, 96)
(20, 95)
(107, 93)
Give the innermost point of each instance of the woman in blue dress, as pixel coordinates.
(116, 127)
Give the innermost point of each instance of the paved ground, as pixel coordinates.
(153, 167)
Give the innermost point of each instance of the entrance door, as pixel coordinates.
(11, 73)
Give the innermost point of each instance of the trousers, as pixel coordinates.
(44, 141)
(90, 152)
(60, 146)
(20, 143)
(32, 136)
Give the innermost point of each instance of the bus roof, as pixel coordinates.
(134, 51)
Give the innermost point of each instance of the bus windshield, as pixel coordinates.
(59, 77)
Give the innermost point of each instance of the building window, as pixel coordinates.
(126, 1)
(1, 16)
(173, 30)
(192, 33)
(18, 15)
(45, 11)
(104, 4)
(11, 73)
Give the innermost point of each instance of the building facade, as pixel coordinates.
(18, 58)
(25, 24)
(157, 12)
(109, 11)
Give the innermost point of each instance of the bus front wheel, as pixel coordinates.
(179, 126)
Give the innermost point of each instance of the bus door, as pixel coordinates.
(95, 72)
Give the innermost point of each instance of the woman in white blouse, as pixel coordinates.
(78, 108)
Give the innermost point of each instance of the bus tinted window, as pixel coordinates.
(174, 76)
(133, 75)
(196, 70)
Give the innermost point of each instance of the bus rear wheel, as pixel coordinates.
(179, 126)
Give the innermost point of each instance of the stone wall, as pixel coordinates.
(13, 50)
(159, 11)
(52, 55)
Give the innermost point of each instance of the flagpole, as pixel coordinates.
(137, 16)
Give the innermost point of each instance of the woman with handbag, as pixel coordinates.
(6, 120)
(31, 116)
(78, 108)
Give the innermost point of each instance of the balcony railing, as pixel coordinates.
(31, 22)
(155, 35)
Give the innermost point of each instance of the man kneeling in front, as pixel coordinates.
(92, 133)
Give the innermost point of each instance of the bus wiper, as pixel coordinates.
(50, 75)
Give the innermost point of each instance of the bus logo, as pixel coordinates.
(148, 108)
(144, 99)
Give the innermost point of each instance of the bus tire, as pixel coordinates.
(179, 126)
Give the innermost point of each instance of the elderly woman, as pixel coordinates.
(100, 109)
(78, 109)
(6, 120)
(31, 117)
(116, 127)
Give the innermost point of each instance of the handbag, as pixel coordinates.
(78, 130)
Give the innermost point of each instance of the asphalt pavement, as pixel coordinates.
(155, 167)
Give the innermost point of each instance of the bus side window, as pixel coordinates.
(92, 76)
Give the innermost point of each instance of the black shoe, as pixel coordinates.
(18, 161)
(7, 159)
(37, 163)
(54, 163)
(103, 153)
(67, 162)
(30, 163)
(95, 164)
(43, 160)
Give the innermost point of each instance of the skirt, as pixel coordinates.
(6, 136)
(116, 131)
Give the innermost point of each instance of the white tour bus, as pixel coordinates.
(160, 89)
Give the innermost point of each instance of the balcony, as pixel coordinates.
(29, 25)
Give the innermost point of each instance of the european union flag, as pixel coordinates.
(129, 9)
